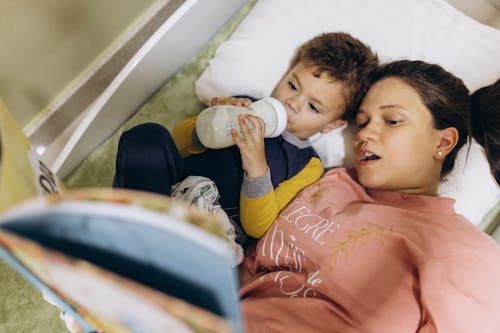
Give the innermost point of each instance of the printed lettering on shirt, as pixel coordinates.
(280, 246)
(309, 223)
(274, 244)
(290, 286)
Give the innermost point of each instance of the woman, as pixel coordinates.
(485, 108)
(375, 249)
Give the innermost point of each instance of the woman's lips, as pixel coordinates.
(367, 158)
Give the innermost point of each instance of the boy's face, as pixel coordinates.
(314, 103)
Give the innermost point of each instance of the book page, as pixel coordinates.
(108, 302)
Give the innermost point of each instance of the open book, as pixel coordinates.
(125, 261)
(114, 260)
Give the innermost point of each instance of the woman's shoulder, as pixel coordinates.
(342, 173)
(340, 185)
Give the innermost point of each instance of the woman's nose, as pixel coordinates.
(368, 132)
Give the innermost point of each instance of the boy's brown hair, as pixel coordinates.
(344, 58)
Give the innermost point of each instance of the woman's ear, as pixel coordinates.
(333, 125)
(448, 139)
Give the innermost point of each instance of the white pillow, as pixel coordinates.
(255, 57)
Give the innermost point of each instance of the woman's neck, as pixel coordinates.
(428, 189)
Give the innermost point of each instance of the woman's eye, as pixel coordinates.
(393, 122)
(361, 125)
(312, 107)
(292, 86)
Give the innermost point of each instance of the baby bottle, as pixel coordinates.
(214, 124)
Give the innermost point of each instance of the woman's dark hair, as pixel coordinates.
(485, 113)
(443, 94)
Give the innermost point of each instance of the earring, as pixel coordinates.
(440, 153)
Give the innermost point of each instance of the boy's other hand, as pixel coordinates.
(251, 145)
(236, 101)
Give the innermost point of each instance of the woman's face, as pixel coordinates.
(395, 146)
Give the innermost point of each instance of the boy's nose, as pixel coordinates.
(291, 106)
(294, 103)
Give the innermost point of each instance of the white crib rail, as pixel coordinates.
(177, 40)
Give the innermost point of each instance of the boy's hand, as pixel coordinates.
(240, 101)
(251, 145)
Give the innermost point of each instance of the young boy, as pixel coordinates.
(257, 177)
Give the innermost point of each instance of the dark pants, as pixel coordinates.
(148, 160)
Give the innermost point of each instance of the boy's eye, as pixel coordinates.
(361, 125)
(292, 86)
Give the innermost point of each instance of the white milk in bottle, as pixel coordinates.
(213, 125)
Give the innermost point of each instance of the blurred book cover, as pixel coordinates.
(113, 260)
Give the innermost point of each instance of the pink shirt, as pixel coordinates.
(340, 258)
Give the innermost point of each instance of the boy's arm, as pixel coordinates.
(185, 138)
(260, 204)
